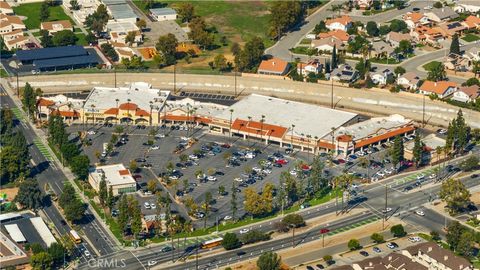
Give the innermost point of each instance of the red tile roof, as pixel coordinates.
(128, 106)
(344, 20)
(437, 87)
(344, 138)
(66, 113)
(273, 65)
(338, 34)
(113, 111)
(253, 127)
(124, 172)
(141, 112)
(387, 135)
(198, 119)
(44, 102)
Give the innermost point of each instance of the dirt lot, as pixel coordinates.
(9, 192)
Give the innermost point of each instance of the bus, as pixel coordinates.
(75, 237)
(212, 243)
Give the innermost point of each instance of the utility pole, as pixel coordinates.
(174, 78)
(293, 236)
(331, 100)
(423, 114)
(115, 76)
(385, 212)
(235, 76)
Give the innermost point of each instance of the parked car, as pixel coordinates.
(364, 253)
(420, 212)
(377, 249)
(243, 231)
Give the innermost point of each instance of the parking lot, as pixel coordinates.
(251, 163)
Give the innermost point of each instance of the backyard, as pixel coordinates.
(32, 13)
(471, 37)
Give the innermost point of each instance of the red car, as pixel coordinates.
(226, 145)
(305, 167)
(281, 161)
(341, 160)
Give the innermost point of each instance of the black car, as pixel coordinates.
(241, 253)
(474, 176)
(320, 266)
(167, 249)
(416, 9)
(407, 188)
(140, 160)
(310, 267)
(63, 222)
(364, 253)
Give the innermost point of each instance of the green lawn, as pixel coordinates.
(81, 39)
(32, 12)
(431, 65)
(3, 73)
(470, 37)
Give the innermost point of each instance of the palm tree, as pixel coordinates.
(231, 116)
(128, 110)
(187, 228)
(151, 108)
(93, 112)
(70, 106)
(117, 100)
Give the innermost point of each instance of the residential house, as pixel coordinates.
(467, 94)
(87, 7)
(409, 80)
(394, 38)
(472, 54)
(341, 23)
(313, 66)
(382, 49)
(456, 62)
(20, 42)
(273, 66)
(338, 34)
(11, 35)
(119, 30)
(441, 14)
(327, 44)
(363, 4)
(441, 88)
(163, 14)
(344, 73)
(428, 35)
(431, 255)
(10, 23)
(56, 26)
(451, 28)
(414, 19)
(471, 6)
(398, 261)
(5, 8)
(472, 22)
(124, 52)
(382, 77)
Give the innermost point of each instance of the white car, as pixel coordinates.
(91, 132)
(153, 206)
(380, 173)
(414, 239)
(147, 205)
(442, 131)
(152, 262)
(360, 153)
(420, 176)
(420, 213)
(242, 231)
(267, 171)
(212, 178)
(227, 218)
(386, 210)
(192, 156)
(427, 7)
(161, 135)
(389, 171)
(432, 176)
(293, 172)
(155, 147)
(256, 169)
(87, 253)
(238, 179)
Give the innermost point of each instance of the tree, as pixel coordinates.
(455, 194)
(41, 261)
(363, 67)
(75, 210)
(252, 199)
(133, 165)
(110, 199)
(29, 99)
(320, 28)
(471, 81)
(64, 38)
(199, 32)
(254, 236)
(284, 15)
(462, 132)
(354, 244)
(465, 244)
(57, 252)
(470, 163)
(235, 49)
(398, 230)
(398, 26)
(417, 151)
(45, 39)
(250, 57)
(136, 223)
(220, 62)
(141, 24)
(435, 236)
(130, 38)
(372, 29)
(397, 151)
(80, 165)
(334, 63)
(167, 47)
(44, 12)
(231, 241)
(123, 214)
(383, 30)
(405, 47)
(97, 20)
(74, 5)
(436, 72)
(399, 71)
(295, 220)
(36, 248)
(110, 52)
(29, 194)
(14, 156)
(133, 63)
(269, 261)
(377, 238)
(455, 45)
(67, 196)
(454, 233)
(102, 191)
(357, 44)
(186, 12)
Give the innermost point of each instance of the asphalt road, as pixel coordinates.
(47, 172)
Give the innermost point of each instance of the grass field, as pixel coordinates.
(471, 37)
(431, 65)
(81, 39)
(32, 12)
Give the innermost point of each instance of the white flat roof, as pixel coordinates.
(43, 231)
(15, 233)
(115, 174)
(372, 127)
(8, 216)
(114, 26)
(138, 93)
(308, 119)
(431, 141)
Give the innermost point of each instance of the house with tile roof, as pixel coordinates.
(19, 42)
(313, 66)
(456, 62)
(441, 88)
(338, 34)
(5, 8)
(9, 23)
(414, 19)
(472, 54)
(273, 66)
(441, 14)
(327, 44)
(428, 35)
(467, 6)
(432, 256)
(394, 38)
(409, 80)
(472, 22)
(467, 94)
(451, 28)
(56, 26)
(340, 23)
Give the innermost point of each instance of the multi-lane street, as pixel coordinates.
(46, 171)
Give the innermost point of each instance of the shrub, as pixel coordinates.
(377, 238)
(294, 219)
(254, 236)
(230, 241)
(354, 244)
(398, 230)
